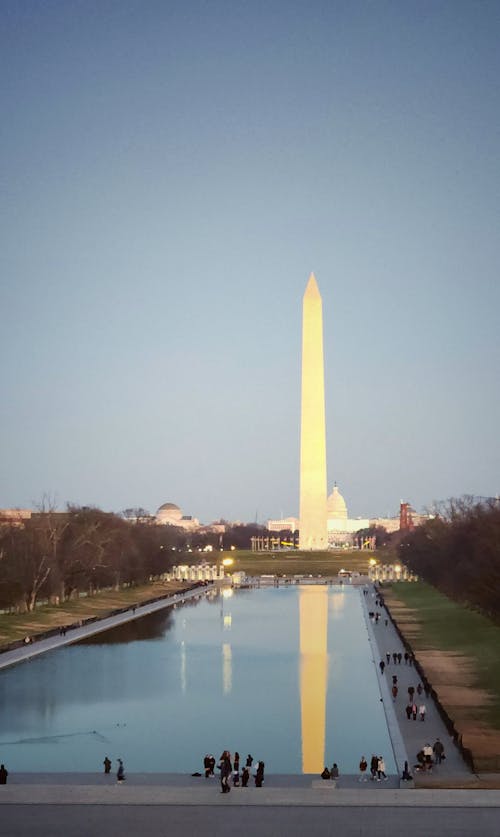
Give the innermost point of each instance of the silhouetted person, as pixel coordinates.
(249, 761)
(259, 776)
(206, 766)
(245, 775)
(107, 765)
(381, 666)
(407, 777)
(236, 762)
(225, 772)
(325, 774)
(3, 774)
(120, 773)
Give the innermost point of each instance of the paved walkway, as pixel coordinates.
(41, 646)
(417, 733)
(169, 789)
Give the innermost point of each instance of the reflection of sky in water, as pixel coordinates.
(243, 673)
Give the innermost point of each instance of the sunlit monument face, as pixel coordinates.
(313, 527)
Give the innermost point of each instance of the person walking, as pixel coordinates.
(381, 666)
(394, 692)
(422, 709)
(388, 657)
(411, 692)
(107, 765)
(249, 761)
(3, 774)
(373, 767)
(363, 765)
(414, 711)
(381, 769)
(408, 711)
(120, 773)
(245, 775)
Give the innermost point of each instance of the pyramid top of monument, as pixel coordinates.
(312, 290)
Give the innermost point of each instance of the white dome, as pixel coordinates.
(335, 505)
(168, 511)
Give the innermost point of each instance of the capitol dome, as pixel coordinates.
(335, 505)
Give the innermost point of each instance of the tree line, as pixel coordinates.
(56, 555)
(53, 556)
(458, 551)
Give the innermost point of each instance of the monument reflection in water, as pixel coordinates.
(313, 605)
(285, 674)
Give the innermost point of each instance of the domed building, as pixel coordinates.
(335, 505)
(341, 528)
(171, 515)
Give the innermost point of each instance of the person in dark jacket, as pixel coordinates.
(245, 775)
(3, 774)
(107, 765)
(225, 772)
(259, 776)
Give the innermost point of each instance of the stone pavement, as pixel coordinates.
(415, 734)
(171, 789)
(41, 646)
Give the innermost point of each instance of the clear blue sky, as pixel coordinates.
(170, 174)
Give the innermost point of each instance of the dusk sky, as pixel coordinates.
(171, 172)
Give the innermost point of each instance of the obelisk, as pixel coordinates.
(313, 527)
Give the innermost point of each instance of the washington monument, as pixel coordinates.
(313, 528)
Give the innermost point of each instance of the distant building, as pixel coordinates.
(15, 516)
(171, 515)
(342, 528)
(285, 523)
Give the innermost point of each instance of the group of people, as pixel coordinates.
(397, 657)
(377, 770)
(331, 774)
(428, 756)
(230, 770)
(120, 772)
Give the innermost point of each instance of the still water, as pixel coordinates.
(284, 674)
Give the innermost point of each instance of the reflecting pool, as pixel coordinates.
(285, 674)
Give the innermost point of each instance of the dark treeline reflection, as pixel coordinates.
(153, 626)
(113, 667)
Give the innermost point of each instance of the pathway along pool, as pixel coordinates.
(285, 674)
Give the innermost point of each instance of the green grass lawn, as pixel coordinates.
(447, 626)
(299, 563)
(14, 626)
